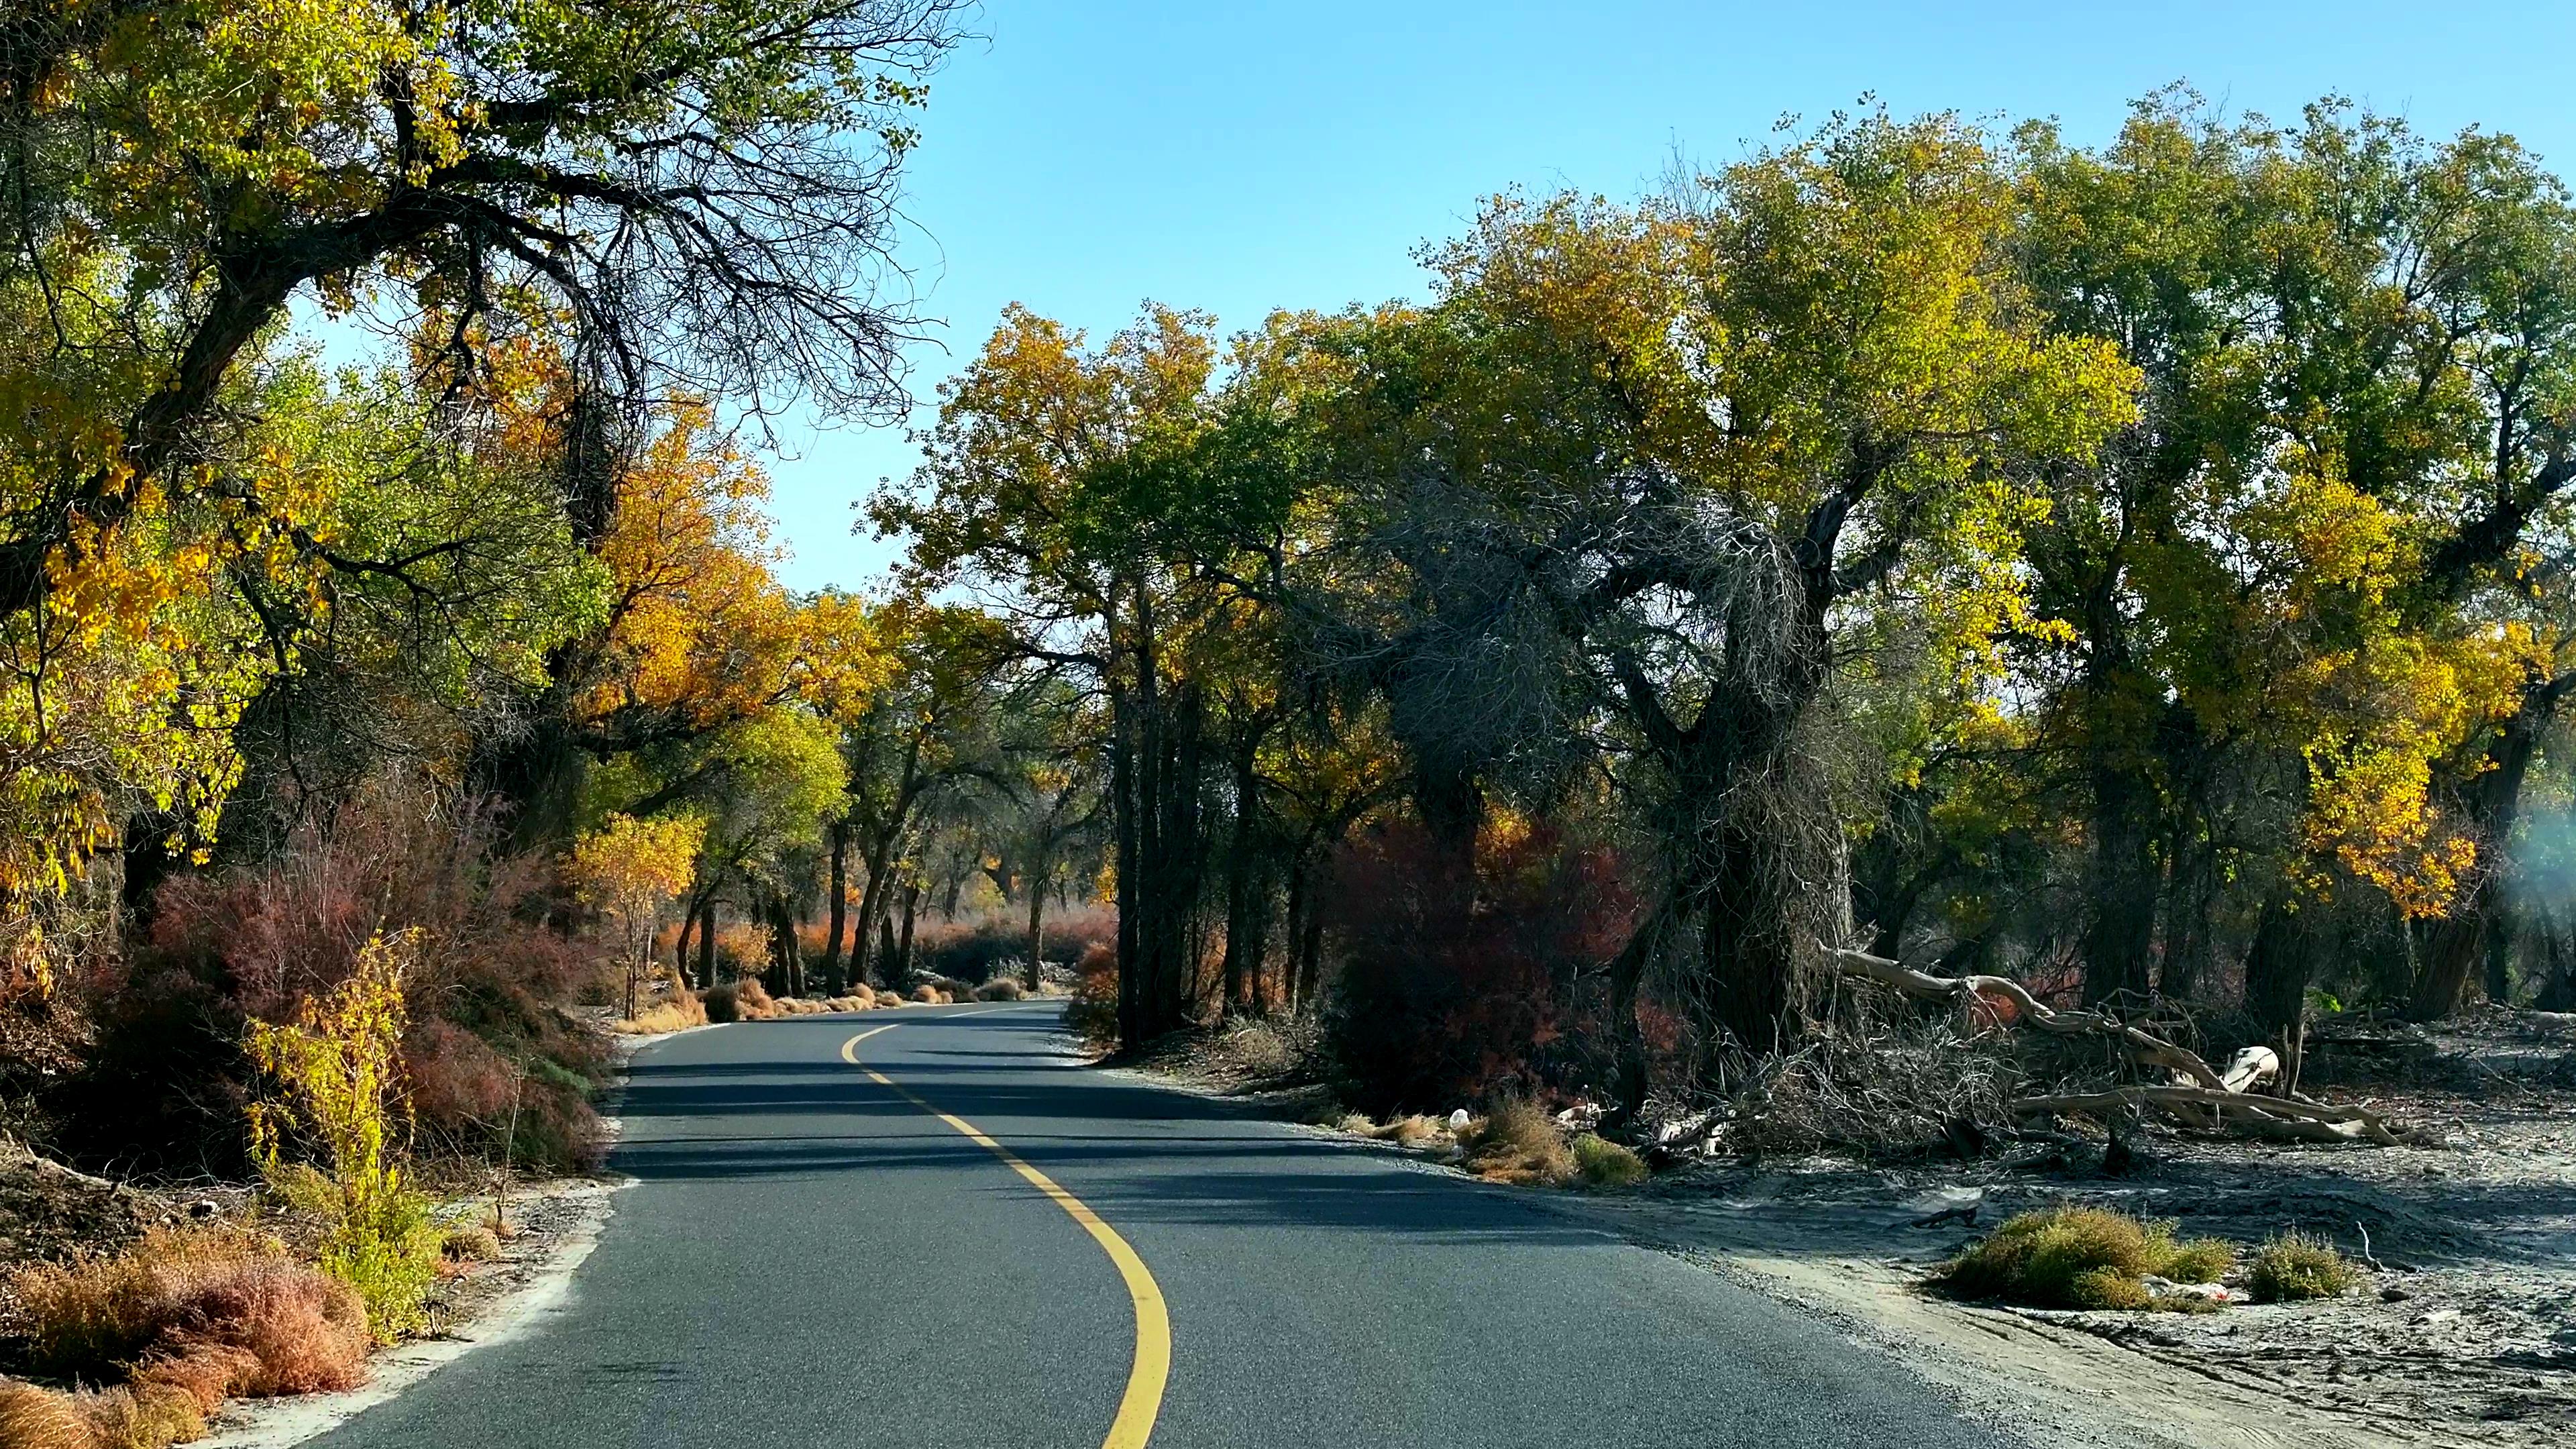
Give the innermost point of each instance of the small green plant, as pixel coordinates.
(2078, 1257)
(2294, 1266)
(1605, 1163)
(338, 1071)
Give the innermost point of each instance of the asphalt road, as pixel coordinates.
(811, 1258)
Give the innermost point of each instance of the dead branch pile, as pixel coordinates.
(1873, 1087)
(2197, 1095)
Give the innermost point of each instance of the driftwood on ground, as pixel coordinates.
(2201, 1096)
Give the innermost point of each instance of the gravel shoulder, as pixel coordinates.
(2462, 1332)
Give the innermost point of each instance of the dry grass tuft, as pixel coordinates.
(1001, 988)
(277, 1326)
(887, 998)
(721, 1004)
(1604, 1163)
(1407, 1131)
(2077, 1257)
(34, 1418)
(471, 1243)
(929, 995)
(145, 1416)
(1518, 1143)
(2294, 1266)
(754, 1000)
(851, 1003)
(679, 1013)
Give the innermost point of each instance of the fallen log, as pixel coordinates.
(2145, 1047)
(2207, 1098)
(2350, 1122)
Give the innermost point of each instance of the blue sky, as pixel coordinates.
(1237, 157)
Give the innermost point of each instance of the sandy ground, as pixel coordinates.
(2463, 1332)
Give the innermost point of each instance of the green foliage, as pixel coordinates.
(337, 1071)
(1604, 1163)
(2294, 1266)
(2076, 1257)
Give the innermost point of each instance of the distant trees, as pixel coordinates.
(2140, 559)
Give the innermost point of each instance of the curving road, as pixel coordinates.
(813, 1258)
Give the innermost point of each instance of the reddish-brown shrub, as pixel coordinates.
(974, 949)
(1458, 973)
(205, 1373)
(304, 1333)
(165, 1080)
(754, 999)
(1092, 1014)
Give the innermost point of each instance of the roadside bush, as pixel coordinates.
(1517, 1142)
(720, 1004)
(1604, 1163)
(681, 1012)
(338, 1071)
(1451, 989)
(166, 1078)
(1092, 1014)
(2293, 1267)
(2077, 1257)
(1000, 988)
(754, 1000)
(470, 1243)
(980, 949)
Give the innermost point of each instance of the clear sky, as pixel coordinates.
(1083, 157)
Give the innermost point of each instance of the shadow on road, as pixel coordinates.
(1138, 1154)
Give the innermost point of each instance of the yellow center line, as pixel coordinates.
(1134, 1422)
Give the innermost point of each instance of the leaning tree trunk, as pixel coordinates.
(680, 948)
(707, 944)
(903, 946)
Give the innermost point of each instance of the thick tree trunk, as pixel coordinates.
(2493, 803)
(2119, 938)
(891, 955)
(2278, 967)
(872, 904)
(707, 945)
(1127, 844)
(1242, 934)
(1037, 939)
(1452, 808)
(838, 909)
(1749, 985)
(680, 948)
(903, 947)
(2558, 958)
(2190, 908)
